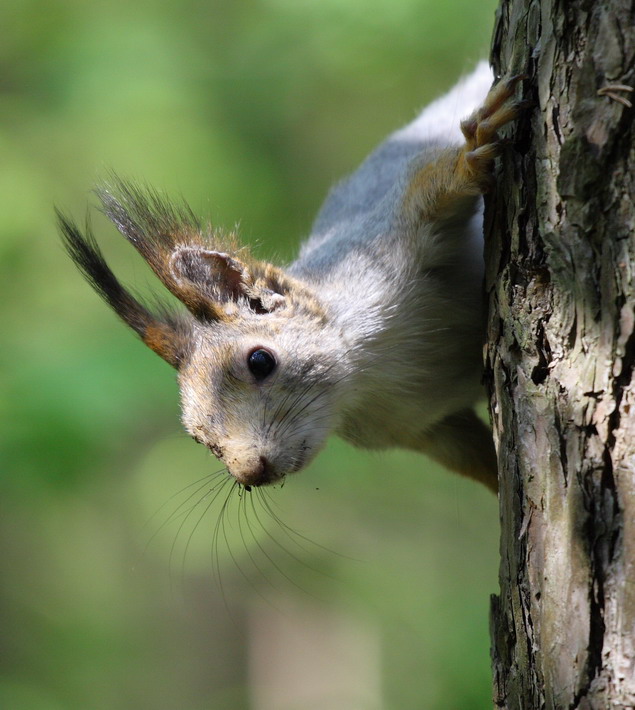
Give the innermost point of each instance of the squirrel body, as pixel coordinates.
(374, 332)
(405, 291)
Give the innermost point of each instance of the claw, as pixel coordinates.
(610, 89)
(482, 144)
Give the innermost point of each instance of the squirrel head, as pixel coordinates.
(259, 362)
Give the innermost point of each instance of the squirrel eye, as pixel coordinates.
(261, 363)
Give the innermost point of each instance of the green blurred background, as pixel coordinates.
(250, 109)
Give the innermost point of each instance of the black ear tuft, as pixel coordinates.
(168, 335)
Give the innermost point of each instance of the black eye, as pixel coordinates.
(261, 363)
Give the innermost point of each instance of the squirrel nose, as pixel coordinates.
(258, 474)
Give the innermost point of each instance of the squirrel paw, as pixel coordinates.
(438, 189)
(482, 144)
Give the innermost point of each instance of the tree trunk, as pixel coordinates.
(560, 360)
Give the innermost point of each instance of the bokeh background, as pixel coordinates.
(374, 591)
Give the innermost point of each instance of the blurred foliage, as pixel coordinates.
(250, 109)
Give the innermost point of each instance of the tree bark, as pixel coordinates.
(560, 359)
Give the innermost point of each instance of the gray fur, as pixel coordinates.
(409, 302)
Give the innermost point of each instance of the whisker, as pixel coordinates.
(243, 503)
(175, 513)
(198, 522)
(281, 432)
(268, 556)
(229, 547)
(220, 485)
(242, 506)
(314, 419)
(174, 495)
(297, 559)
(303, 391)
(274, 421)
(267, 503)
(216, 556)
(298, 397)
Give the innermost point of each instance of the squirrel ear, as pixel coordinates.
(224, 278)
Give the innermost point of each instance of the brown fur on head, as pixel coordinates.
(251, 372)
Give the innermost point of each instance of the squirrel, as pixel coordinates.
(374, 332)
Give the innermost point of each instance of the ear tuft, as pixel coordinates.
(165, 332)
(197, 263)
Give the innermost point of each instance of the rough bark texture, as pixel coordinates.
(561, 358)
